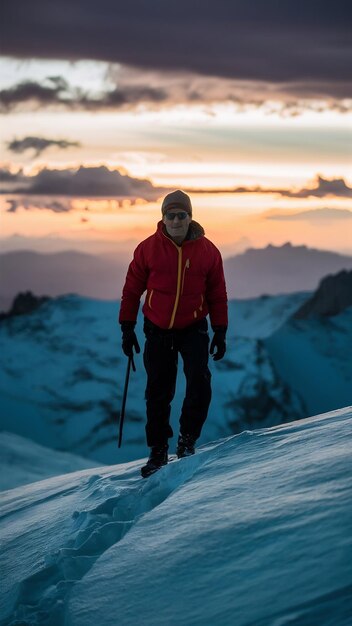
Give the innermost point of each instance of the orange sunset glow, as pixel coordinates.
(91, 146)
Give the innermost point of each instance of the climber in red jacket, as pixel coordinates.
(182, 272)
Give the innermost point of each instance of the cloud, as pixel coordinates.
(38, 144)
(56, 92)
(7, 176)
(101, 182)
(260, 41)
(313, 215)
(56, 207)
(155, 90)
(321, 187)
(11, 180)
(84, 182)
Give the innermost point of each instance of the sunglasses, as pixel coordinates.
(170, 215)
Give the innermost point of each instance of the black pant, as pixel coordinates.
(160, 361)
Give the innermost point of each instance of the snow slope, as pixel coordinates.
(323, 345)
(254, 530)
(22, 461)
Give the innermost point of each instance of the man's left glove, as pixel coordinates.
(218, 342)
(129, 338)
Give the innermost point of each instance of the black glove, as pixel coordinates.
(129, 338)
(218, 342)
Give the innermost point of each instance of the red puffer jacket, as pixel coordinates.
(184, 283)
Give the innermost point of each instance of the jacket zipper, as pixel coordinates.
(183, 276)
(178, 290)
(150, 298)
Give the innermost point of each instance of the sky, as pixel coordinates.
(107, 107)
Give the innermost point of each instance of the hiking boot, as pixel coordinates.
(185, 446)
(157, 458)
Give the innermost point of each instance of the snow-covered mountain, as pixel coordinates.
(62, 372)
(312, 350)
(313, 357)
(23, 461)
(62, 376)
(254, 530)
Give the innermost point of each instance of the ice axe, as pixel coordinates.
(122, 412)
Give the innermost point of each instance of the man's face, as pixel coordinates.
(177, 221)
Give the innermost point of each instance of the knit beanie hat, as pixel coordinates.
(177, 199)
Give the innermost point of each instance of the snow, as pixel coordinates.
(254, 530)
(324, 346)
(23, 461)
(63, 371)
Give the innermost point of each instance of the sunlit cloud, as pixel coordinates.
(322, 188)
(312, 215)
(157, 90)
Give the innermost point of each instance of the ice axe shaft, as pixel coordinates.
(124, 397)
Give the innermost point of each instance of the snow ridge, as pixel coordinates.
(42, 597)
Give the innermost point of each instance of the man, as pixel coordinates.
(182, 272)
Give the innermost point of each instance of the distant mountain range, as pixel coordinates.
(271, 270)
(311, 349)
(280, 269)
(59, 274)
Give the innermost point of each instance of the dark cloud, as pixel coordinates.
(57, 92)
(38, 144)
(85, 182)
(302, 41)
(128, 96)
(313, 215)
(11, 180)
(7, 176)
(54, 90)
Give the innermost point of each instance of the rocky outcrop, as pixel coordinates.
(333, 296)
(24, 303)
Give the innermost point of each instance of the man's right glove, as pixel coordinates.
(129, 338)
(218, 342)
